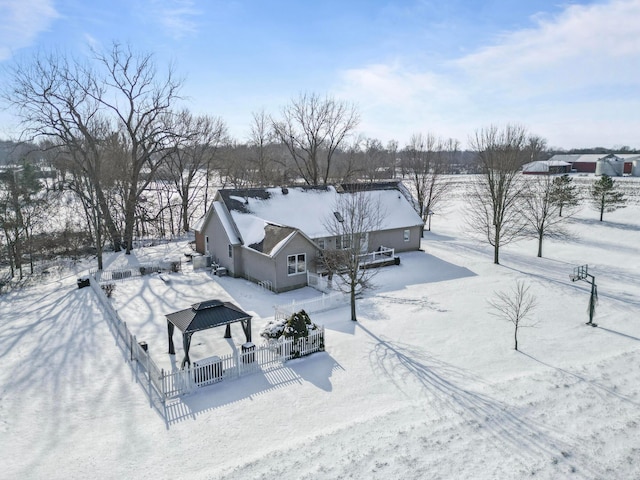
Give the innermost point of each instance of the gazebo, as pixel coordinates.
(202, 316)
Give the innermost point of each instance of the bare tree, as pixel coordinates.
(56, 99)
(374, 156)
(495, 197)
(140, 100)
(349, 161)
(516, 306)
(313, 128)
(355, 215)
(198, 139)
(425, 161)
(80, 105)
(391, 157)
(541, 212)
(262, 152)
(234, 165)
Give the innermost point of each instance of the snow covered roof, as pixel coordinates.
(592, 157)
(308, 208)
(197, 226)
(543, 165)
(273, 238)
(227, 223)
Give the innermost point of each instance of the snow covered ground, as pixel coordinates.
(425, 385)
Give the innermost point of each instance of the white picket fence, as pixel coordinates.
(121, 274)
(216, 369)
(328, 301)
(164, 385)
(319, 282)
(144, 364)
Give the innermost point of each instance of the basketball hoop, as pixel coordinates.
(582, 273)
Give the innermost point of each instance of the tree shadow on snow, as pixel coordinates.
(316, 369)
(606, 391)
(605, 223)
(445, 387)
(619, 333)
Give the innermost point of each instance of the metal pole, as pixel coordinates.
(592, 300)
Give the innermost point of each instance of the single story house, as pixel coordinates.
(274, 236)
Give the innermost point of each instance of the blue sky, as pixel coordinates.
(568, 71)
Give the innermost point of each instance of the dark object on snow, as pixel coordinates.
(204, 315)
(144, 346)
(83, 282)
(396, 260)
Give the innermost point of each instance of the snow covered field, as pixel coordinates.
(425, 385)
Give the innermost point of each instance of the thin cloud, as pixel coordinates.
(21, 21)
(178, 17)
(583, 47)
(585, 59)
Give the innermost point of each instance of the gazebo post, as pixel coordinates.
(227, 332)
(186, 343)
(172, 348)
(246, 326)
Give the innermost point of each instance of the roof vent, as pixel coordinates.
(206, 304)
(338, 216)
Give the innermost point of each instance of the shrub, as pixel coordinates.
(297, 326)
(108, 289)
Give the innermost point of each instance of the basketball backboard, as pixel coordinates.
(579, 273)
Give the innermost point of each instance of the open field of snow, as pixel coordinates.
(425, 385)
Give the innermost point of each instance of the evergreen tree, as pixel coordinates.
(605, 196)
(563, 193)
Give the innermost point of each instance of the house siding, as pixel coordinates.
(219, 245)
(395, 239)
(258, 267)
(298, 244)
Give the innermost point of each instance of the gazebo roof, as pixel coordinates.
(207, 314)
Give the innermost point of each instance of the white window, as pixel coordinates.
(296, 264)
(343, 242)
(230, 251)
(321, 244)
(206, 244)
(407, 235)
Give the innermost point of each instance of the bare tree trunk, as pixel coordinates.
(540, 237)
(353, 303)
